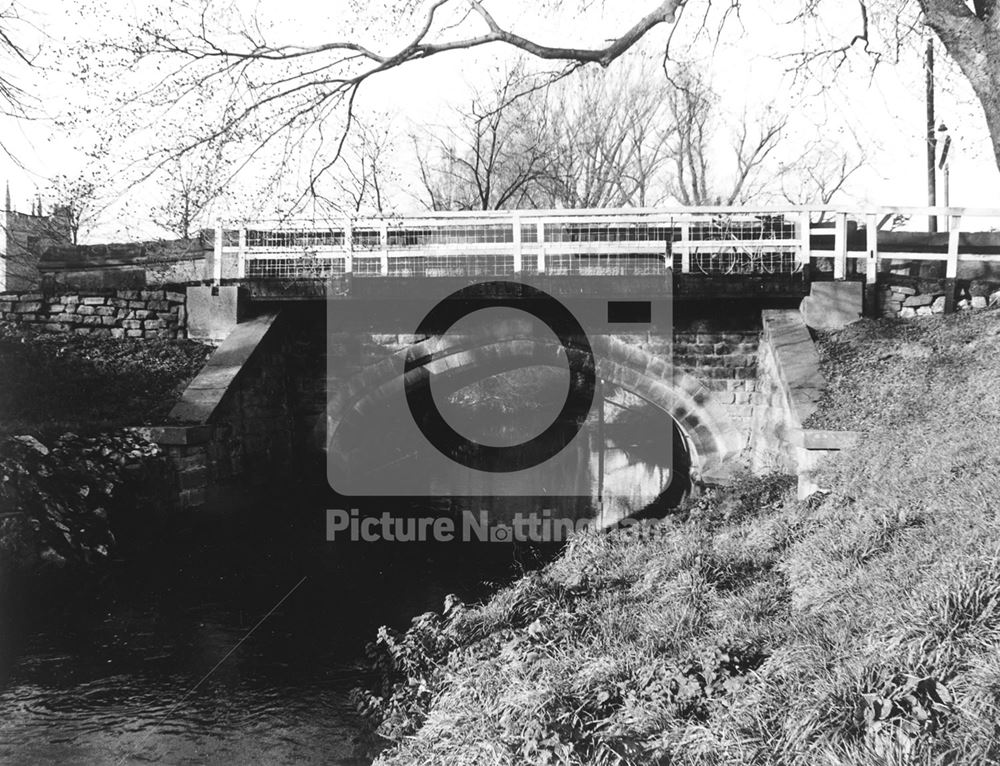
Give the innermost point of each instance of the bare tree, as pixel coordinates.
(368, 169)
(608, 139)
(882, 29)
(190, 185)
(585, 141)
(821, 173)
(702, 174)
(629, 138)
(273, 93)
(229, 75)
(76, 200)
(970, 33)
(15, 101)
(690, 107)
(494, 153)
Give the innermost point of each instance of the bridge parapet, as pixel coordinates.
(715, 241)
(496, 244)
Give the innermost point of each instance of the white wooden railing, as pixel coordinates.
(716, 240)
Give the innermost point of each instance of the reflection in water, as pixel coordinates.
(631, 476)
(106, 675)
(626, 454)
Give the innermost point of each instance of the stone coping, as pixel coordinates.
(797, 361)
(205, 393)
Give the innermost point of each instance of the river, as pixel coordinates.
(238, 637)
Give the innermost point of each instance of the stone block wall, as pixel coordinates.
(231, 436)
(113, 313)
(726, 362)
(252, 438)
(245, 449)
(913, 298)
(192, 465)
(128, 265)
(791, 384)
(772, 422)
(719, 350)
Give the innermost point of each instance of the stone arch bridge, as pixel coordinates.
(269, 303)
(708, 394)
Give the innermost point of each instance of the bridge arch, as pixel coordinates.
(711, 438)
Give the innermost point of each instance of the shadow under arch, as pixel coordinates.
(711, 439)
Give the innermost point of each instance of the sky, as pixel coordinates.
(885, 110)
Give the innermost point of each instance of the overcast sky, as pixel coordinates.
(885, 110)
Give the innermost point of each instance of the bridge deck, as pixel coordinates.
(680, 287)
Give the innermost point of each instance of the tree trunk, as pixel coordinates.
(974, 44)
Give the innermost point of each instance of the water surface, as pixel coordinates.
(159, 661)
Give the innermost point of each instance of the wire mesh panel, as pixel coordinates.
(284, 239)
(367, 266)
(437, 235)
(475, 265)
(734, 261)
(605, 264)
(736, 228)
(529, 264)
(603, 231)
(737, 244)
(366, 239)
(294, 268)
(605, 243)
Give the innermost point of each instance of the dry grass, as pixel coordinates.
(862, 627)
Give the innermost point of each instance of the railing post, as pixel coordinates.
(517, 243)
(871, 265)
(685, 247)
(242, 259)
(805, 243)
(383, 261)
(954, 222)
(951, 269)
(217, 254)
(348, 245)
(541, 247)
(840, 247)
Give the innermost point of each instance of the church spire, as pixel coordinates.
(7, 198)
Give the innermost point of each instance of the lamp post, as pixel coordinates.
(945, 143)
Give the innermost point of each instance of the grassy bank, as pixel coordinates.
(861, 626)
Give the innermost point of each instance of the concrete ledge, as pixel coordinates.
(797, 361)
(817, 439)
(213, 312)
(802, 384)
(833, 305)
(205, 393)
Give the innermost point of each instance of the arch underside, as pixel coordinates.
(711, 438)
